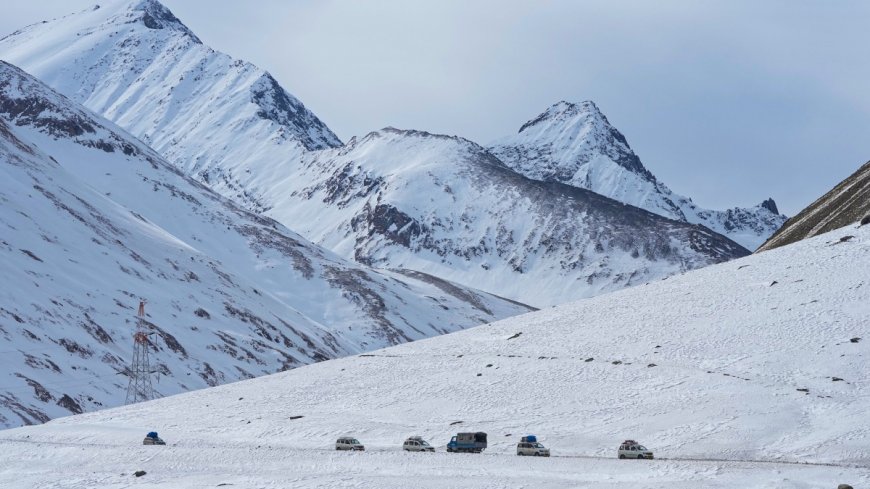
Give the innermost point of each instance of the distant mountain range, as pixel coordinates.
(231, 126)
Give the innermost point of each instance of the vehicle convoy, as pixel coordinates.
(633, 449)
(529, 446)
(467, 442)
(349, 443)
(417, 444)
(152, 439)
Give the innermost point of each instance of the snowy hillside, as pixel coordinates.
(847, 203)
(218, 119)
(445, 206)
(761, 360)
(93, 220)
(575, 144)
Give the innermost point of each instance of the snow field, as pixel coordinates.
(720, 407)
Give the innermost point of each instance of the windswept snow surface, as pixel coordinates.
(575, 144)
(92, 219)
(751, 373)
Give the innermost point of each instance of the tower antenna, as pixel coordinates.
(139, 389)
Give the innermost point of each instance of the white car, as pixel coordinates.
(417, 444)
(632, 449)
(349, 443)
(533, 449)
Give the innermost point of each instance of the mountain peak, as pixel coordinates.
(155, 15)
(150, 13)
(564, 141)
(563, 111)
(770, 205)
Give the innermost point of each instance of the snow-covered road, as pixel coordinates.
(189, 465)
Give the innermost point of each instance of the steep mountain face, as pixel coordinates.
(446, 206)
(93, 220)
(576, 145)
(845, 204)
(749, 374)
(136, 64)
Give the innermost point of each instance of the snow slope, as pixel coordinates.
(219, 119)
(575, 144)
(847, 203)
(751, 360)
(93, 219)
(445, 206)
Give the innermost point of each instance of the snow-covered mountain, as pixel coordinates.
(394, 199)
(575, 144)
(445, 206)
(93, 219)
(751, 373)
(845, 204)
(216, 118)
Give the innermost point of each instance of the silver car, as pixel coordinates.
(349, 443)
(417, 444)
(634, 450)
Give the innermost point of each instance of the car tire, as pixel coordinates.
(621, 456)
(640, 457)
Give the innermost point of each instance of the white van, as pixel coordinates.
(633, 449)
(417, 444)
(349, 443)
(533, 449)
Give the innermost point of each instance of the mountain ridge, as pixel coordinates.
(361, 208)
(575, 144)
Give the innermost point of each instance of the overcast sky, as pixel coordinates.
(728, 102)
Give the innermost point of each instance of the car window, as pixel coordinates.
(642, 448)
(633, 449)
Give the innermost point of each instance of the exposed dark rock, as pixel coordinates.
(139, 473)
(516, 335)
(69, 404)
(770, 205)
(31, 255)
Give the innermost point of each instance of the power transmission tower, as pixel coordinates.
(139, 389)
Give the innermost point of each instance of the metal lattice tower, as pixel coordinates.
(139, 389)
